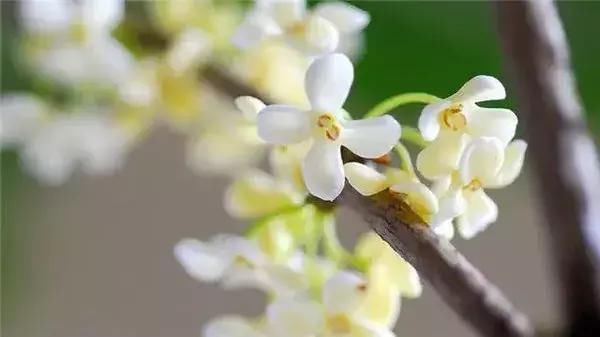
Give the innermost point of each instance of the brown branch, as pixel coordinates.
(457, 281)
(564, 158)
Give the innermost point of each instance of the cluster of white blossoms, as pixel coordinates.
(100, 84)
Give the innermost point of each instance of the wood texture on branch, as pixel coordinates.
(563, 154)
(467, 292)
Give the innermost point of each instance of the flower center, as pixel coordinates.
(453, 118)
(242, 261)
(328, 126)
(473, 185)
(338, 323)
(297, 29)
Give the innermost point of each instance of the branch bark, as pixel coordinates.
(564, 157)
(459, 283)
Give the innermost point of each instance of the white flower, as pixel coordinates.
(451, 122)
(79, 46)
(190, 47)
(317, 32)
(236, 262)
(367, 181)
(327, 85)
(337, 314)
(486, 163)
(88, 141)
(231, 326)
(20, 116)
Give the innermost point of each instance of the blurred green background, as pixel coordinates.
(431, 46)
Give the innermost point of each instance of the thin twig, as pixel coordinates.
(458, 282)
(564, 157)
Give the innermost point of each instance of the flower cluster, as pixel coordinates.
(98, 90)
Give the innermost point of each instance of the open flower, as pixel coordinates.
(451, 122)
(485, 163)
(327, 84)
(316, 33)
(338, 313)
(236, 262)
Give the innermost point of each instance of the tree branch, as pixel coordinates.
(457, 281)
(564, 157)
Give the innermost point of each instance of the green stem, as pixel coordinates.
(406, 162)
(253, 229)
(395, 101)
(413, 135)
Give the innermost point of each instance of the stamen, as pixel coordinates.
(339, 324)
(453, 118)
(333, 132)
(473, 185)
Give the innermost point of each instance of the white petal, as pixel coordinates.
(283, 124)
(372, 137)
(344, 292)
(285, 12)
(420, 198)
(345, 17)
(255, 28)
(445, 230)
(294, 317)
(20, 116)
(441, 156)
(480, 88)
(47, 16)
(480, 213)
(514, 155)
(451, 204)
(320, 35)
(328, 81)
(488, 122)
(364, 179)
(323, 170)
(429, 123)
(366, 328)
(190, 47)
(201, 260)
(101, 16)
(482, 160)
(230, 326)
(249, 106)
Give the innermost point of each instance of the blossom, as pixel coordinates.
(485, 163)
(232, 326)
(227, 141)
(338, 312)
(450, 123)
(21, 115)
(327, 85)
(77, 44)
(236, 262)
(316, 33)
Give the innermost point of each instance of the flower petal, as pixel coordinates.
(482, 161)
(452, 204)
(514, 155)
(429, 123)
(255, 28)
(419, 197)
(441, 156)
(382, 301)
(200, 260)
(328, 81)
(372, 137)
(283, 124)
(285, 12)
(445, 230)
(320, 35)
(294, 317)
(256, 194)
(230, 326)
(491, 122)
(249, 106)
(345, 17)
(101, 16)
(20, 116)
(480, 88)
(480, 213)
(344, 292)
(323, 170)
(364, 179)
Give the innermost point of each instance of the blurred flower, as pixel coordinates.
(328, 82)
(227, 141)
(188, 50)
(339, 311)
(237, 262)
(232, 326)
(21, 115)
(449, 124)
(486, 163)
(71, 42)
